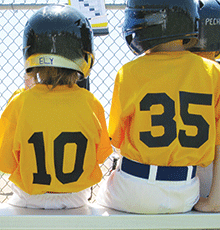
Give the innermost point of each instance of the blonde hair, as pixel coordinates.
(54, 76)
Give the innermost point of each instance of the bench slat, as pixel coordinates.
(96, 217)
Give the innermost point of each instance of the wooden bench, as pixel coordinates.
(96, 217)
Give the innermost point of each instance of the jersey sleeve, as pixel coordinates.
(217, 107)
(116, 131)
(104, 148)
(8, 156)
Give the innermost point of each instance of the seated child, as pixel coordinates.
(168, 123)
(209, 11)
(54, 136)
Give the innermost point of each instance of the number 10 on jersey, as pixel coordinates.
(41, 177)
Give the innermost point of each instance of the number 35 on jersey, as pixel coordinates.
(166, 119)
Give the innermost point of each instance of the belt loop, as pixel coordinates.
(153, 173)
(120, 163)
(189, 173)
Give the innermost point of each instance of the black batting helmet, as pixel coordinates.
(59, 36)
(209, 27)
(149, 23)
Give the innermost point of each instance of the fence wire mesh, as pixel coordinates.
(111, 52)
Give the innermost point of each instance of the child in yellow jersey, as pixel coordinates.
(168, 123)
(54, 136)
(207, 47)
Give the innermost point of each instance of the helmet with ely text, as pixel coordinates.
(149, 23)
(59, 36)
(209, 27)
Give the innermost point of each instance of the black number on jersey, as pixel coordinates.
(166, 119)
(41, 177)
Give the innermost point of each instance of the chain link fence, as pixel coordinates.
(111, 52)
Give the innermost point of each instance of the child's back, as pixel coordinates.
(165, 86)
(53, 136)
(56, 138)
(166, 125)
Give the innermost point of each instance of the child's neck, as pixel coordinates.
(169, 47)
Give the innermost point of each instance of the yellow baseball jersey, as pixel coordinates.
(165, 109)
(53, 140)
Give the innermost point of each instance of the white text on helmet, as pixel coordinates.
(212, 21)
